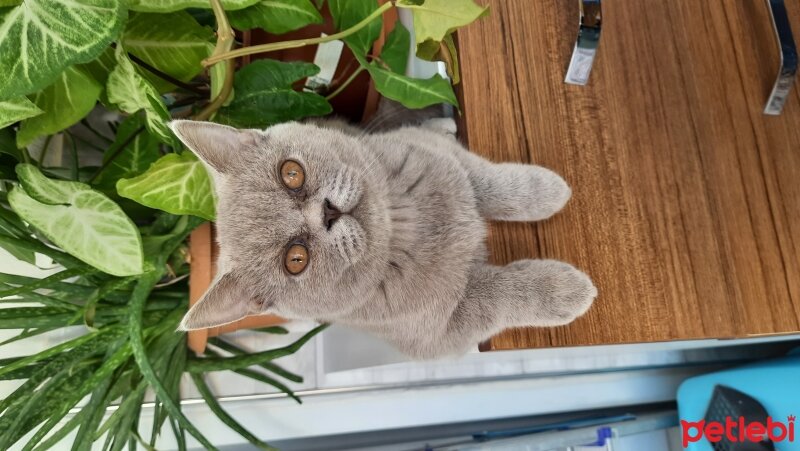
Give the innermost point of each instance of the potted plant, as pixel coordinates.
(112, 201)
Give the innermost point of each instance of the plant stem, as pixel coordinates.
(87, 143)
(117, 152)
(346, 83)
(44, 150)
(94, 131)
(225, 39)
(299, 42)
(75, 163)
(164, 76)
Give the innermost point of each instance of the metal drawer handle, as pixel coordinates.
(586, 45)
(788, 49)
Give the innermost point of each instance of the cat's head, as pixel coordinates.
(300, 213)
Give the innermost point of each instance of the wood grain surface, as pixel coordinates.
(686, 198)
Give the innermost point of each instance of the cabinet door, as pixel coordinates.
(686, 198)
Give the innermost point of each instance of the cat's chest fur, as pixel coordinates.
(436, 232)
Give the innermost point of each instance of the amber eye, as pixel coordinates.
(296, 259)
(292, 174)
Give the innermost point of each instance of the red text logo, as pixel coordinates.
(738, 431)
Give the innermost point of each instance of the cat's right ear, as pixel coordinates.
(225, 302)
(217, 145)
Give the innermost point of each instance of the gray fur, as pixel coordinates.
(408, 263)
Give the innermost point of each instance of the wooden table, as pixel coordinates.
(686, 204)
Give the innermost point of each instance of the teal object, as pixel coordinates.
(774, 383)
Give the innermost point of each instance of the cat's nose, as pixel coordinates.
(330, 214)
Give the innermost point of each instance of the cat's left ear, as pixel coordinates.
(224, 302)
(217, 145)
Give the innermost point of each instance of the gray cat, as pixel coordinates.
(384, 232)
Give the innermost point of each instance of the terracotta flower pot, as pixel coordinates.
(358, 101)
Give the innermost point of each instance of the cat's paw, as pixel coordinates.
(560, 292)
(550, 192)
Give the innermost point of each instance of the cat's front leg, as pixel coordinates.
(542, 293)
(512, 191)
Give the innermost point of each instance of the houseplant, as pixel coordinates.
(118, 226)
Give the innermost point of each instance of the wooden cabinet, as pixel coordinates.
(686, 198)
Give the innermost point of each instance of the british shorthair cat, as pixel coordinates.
(384, 232)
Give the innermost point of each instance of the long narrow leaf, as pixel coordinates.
(179, 433)
(89, 308)
(140, 293)
(106, 369)
(277, 330)
(96, 408)
(38, 408)
(59, 435)
(123, 430)
(236, 362)
(64, 361)
(205, 392)
(269, 381)
(128, 404)
(58, 349)
(280, 371)
(27, 334)
(48, 281)
(33, 317)
(63, 258)
(77, 288)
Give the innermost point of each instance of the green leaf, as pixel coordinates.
(24, 418)
(395, 50)
(8, 144)
(176, 183)
(80, 220)
(255, 375)
(435, 19)
(62, 361)
(166, 6)
(229, 421)
(100, 68)
(137, 304)
(54, 351)
(12, 227)
(46, 282)
(412, 92)
(131, 92)
(15, 110)
(33, 317)
(277, 330)
(347, 13)
(172, 43)
(233, 349)
(128, 404)
(19, 253)
(244, 361)
(453, 69)
(110, 364)
(264, 95)
(41, 38)
(44, 190)
(64, 103)
(133, 151)
(276, 16)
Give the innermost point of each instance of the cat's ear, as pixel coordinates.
(224, 302)
(217, 145)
